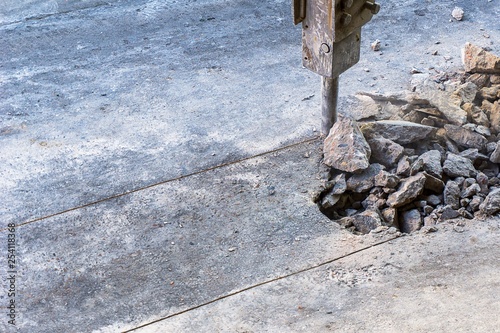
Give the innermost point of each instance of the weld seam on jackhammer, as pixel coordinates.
(262, 284)
(165, 182)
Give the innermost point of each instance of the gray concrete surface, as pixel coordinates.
(156, 252)
(441, 282)
(110, 113)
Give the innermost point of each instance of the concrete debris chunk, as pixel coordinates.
(433, 184)
(385, 151)
(458, 13)
(478, 60)
(451, 194)
(431, 161)
(365, 180)
(345, 148)
(366, 221)
(401, 132)
(491, 204)
(410, 221)
(465, 138)
(456, 166)
(409, 190)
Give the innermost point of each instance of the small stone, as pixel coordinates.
(433, 200)
(473, 154)
(464, 213)
(471, 191)
(483, 130)
(490, 93)
(404, 167)
(458, 13)
(430, 221)
(433, 183)
(410, 221)
(345, 148)
(465, 138)
(373, 201)
(482, 180)
(456, 166)
(386, 179)
(432, 163)
(464, 202)
(495, 155)
(365, 180)
(385, 151)
(329, 201)
(452, 194)
(426, 229)
(428, 209)
(491, 204)
(494, 79)
(478, 60)
(375, 45)
(449, 213)
(338, 184)
(416, 167)
(480, 80)
(467, 92)
(491, 146)
(366, 221)
(390, 216)
(476, 114)
(409, 189)
(475, 203)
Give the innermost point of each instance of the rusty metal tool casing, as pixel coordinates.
(331, 40)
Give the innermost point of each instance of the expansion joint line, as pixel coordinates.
(262, 284)
(166, 181)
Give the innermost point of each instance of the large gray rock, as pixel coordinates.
(345, 148)
(402, 132)
(456, 166)
(408, 191)
(452, 194)
(491, 204)
(431, 161)
(365, 180)
(385, 151)
(410, 221)
(478, 60)
(465, 137)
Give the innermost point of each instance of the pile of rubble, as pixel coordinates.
(432, 154)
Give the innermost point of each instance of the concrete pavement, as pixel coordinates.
(128, 133)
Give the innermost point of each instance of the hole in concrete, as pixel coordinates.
(436, 159)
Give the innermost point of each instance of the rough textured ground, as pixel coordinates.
(102, 98)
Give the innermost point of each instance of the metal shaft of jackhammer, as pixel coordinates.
(329, 97)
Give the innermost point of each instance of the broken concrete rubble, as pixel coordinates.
(478, 60)
(416, 174)
(345, 147)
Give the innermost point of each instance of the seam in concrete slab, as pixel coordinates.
(165, 182)
(47, 15)
(262, 284)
